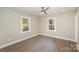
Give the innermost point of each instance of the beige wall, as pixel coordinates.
(65, 25)
(78, 29)
(10, 25)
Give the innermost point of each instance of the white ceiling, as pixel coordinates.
(37, 10)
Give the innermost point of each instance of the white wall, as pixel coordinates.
(65, 25)
(10, 27)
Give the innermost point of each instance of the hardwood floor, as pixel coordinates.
(42, 44)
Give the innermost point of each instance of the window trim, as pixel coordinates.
(53, 18)
(29, 24)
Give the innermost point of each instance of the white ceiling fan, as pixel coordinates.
(44, 10)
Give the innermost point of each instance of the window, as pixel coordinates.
(51, 24)
(25, 24)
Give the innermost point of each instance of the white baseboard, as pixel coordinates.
(58, 37)
(11, 43)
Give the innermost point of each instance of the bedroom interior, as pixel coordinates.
(39, 29)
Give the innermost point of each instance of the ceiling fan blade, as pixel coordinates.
(47, 8)
(42, 8)
(45, 12)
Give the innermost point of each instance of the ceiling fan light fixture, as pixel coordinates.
(42, 12)
(44, 9)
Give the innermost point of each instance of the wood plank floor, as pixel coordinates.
(42, 44)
